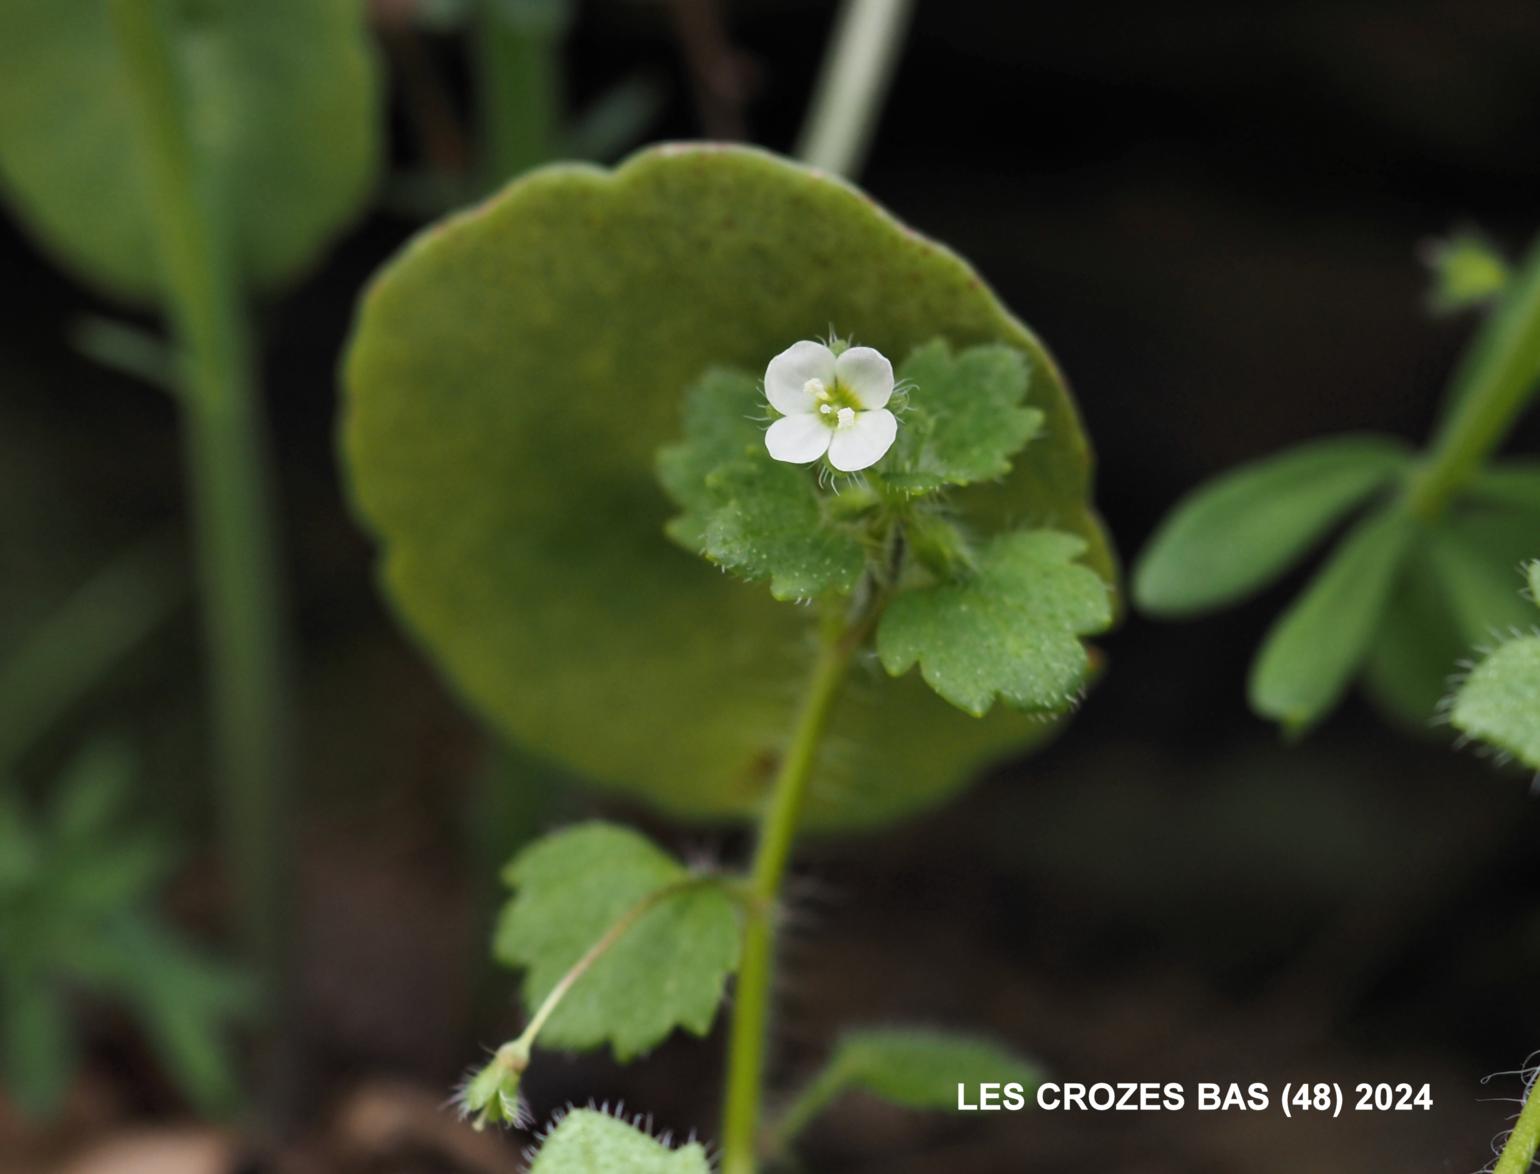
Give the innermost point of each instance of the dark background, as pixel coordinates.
(1212, 213)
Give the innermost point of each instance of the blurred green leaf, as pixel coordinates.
(587, 1141)
(1467, 270)
(1313, 651)
(77, 915)
(1454, 592)
(284, 106)
(1243, 529)
(917, 1068)
(964, 420)
(185, 1002)
(666, 970)
(1482, 593)
(1514, 484)
(511, 376)
(615, 121)
(36, 1043)
(1011, 630)
(67, 652)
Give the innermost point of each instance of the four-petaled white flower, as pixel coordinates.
(830, 404)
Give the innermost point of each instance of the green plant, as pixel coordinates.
(514, 385)
(1423, 573)
(77, 916)
(189, 156)
(1497, 703)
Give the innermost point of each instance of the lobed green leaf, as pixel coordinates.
(964, 417)
(1012, 630)
(1239, 532)
(666, 970)
(1317, 645)
(587, 1141)
(757, 517)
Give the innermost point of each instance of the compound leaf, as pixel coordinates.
(1240, 531)
(1011, 630)
(666, 969)
(1455, 593)
(587, 1141)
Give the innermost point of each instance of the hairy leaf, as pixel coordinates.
(757, 517)
(667, 967)
(587, 1141)
(1240, 531)
(1012, 630)
(964, 418)
(1313, 651)
(511, 377)
(1499, 703)
(282, 98)
(720, 411)
(770, 525)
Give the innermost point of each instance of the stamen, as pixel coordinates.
(847, 417)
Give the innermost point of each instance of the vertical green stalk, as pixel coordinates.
(230, 505)
(852, 84)
(778, 830)
(1518, 1155)
(1494, 384)
(519, 84)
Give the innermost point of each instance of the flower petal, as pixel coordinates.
(867, 374)
(787, 375)
(864, 442)
(798, 439)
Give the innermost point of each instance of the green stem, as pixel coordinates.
(852, 83)
(809, 1103)
(512, 1058)
(1518, 1154)
(519, 84)
(778, 830)
(229, 479)
(1494, 384)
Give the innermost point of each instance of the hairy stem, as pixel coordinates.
(852, 83)
(1518, 1155)
(232, 513)
(1495, 383)
(778, 829)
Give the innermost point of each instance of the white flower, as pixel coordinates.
(830, 404)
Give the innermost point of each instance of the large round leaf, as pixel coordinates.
(511, 377)
(281, 97)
